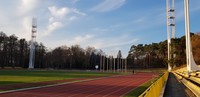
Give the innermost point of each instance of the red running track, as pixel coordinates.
(106, 87)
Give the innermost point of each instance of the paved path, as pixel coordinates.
(174, 88)
(106, 87)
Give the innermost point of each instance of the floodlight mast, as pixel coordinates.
(170, 9)
(168, 38)
(32, 44)
(191, 65)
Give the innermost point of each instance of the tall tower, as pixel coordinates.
(170, 28)
(191, 64)
(32, 45)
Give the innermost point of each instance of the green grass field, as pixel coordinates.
(29, 76)
(139, 90)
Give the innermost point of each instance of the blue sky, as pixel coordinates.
(110, 25)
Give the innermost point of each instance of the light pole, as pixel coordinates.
(107, 64)
(114, 64)
(126, 64)
(187, 30)
(191, 65)
(100, 64)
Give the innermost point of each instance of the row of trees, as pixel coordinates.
(148, 55)
(14, 52)
(73, 57)
(155, 54)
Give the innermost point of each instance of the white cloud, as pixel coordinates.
(113, 43)
(26, 23)
(110, 45)
(106, 44)
(59, 12)
(51, 27)
(78, 12)
(64, 11)
(82, 40)
(18, 17)
(27, 6)
(79, 39)
(60, 17)
(108, 5)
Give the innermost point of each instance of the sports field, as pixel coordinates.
(13, 79)
(113, 86)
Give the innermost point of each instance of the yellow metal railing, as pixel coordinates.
(155, 89)
(186, 80)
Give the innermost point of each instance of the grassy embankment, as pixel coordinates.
(139, 90)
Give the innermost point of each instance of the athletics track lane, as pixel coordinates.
(106, 87)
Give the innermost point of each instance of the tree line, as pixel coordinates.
(15, 52)
(155, 55)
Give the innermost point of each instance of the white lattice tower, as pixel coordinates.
(32, 44)
(170, 9)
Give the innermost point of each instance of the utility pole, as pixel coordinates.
(126, 65)
(100, 64)
(32, 46)
(103, 63)
(121, 64)
(114, 64)
(110, 63)
(117, 64)
(107, 64)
